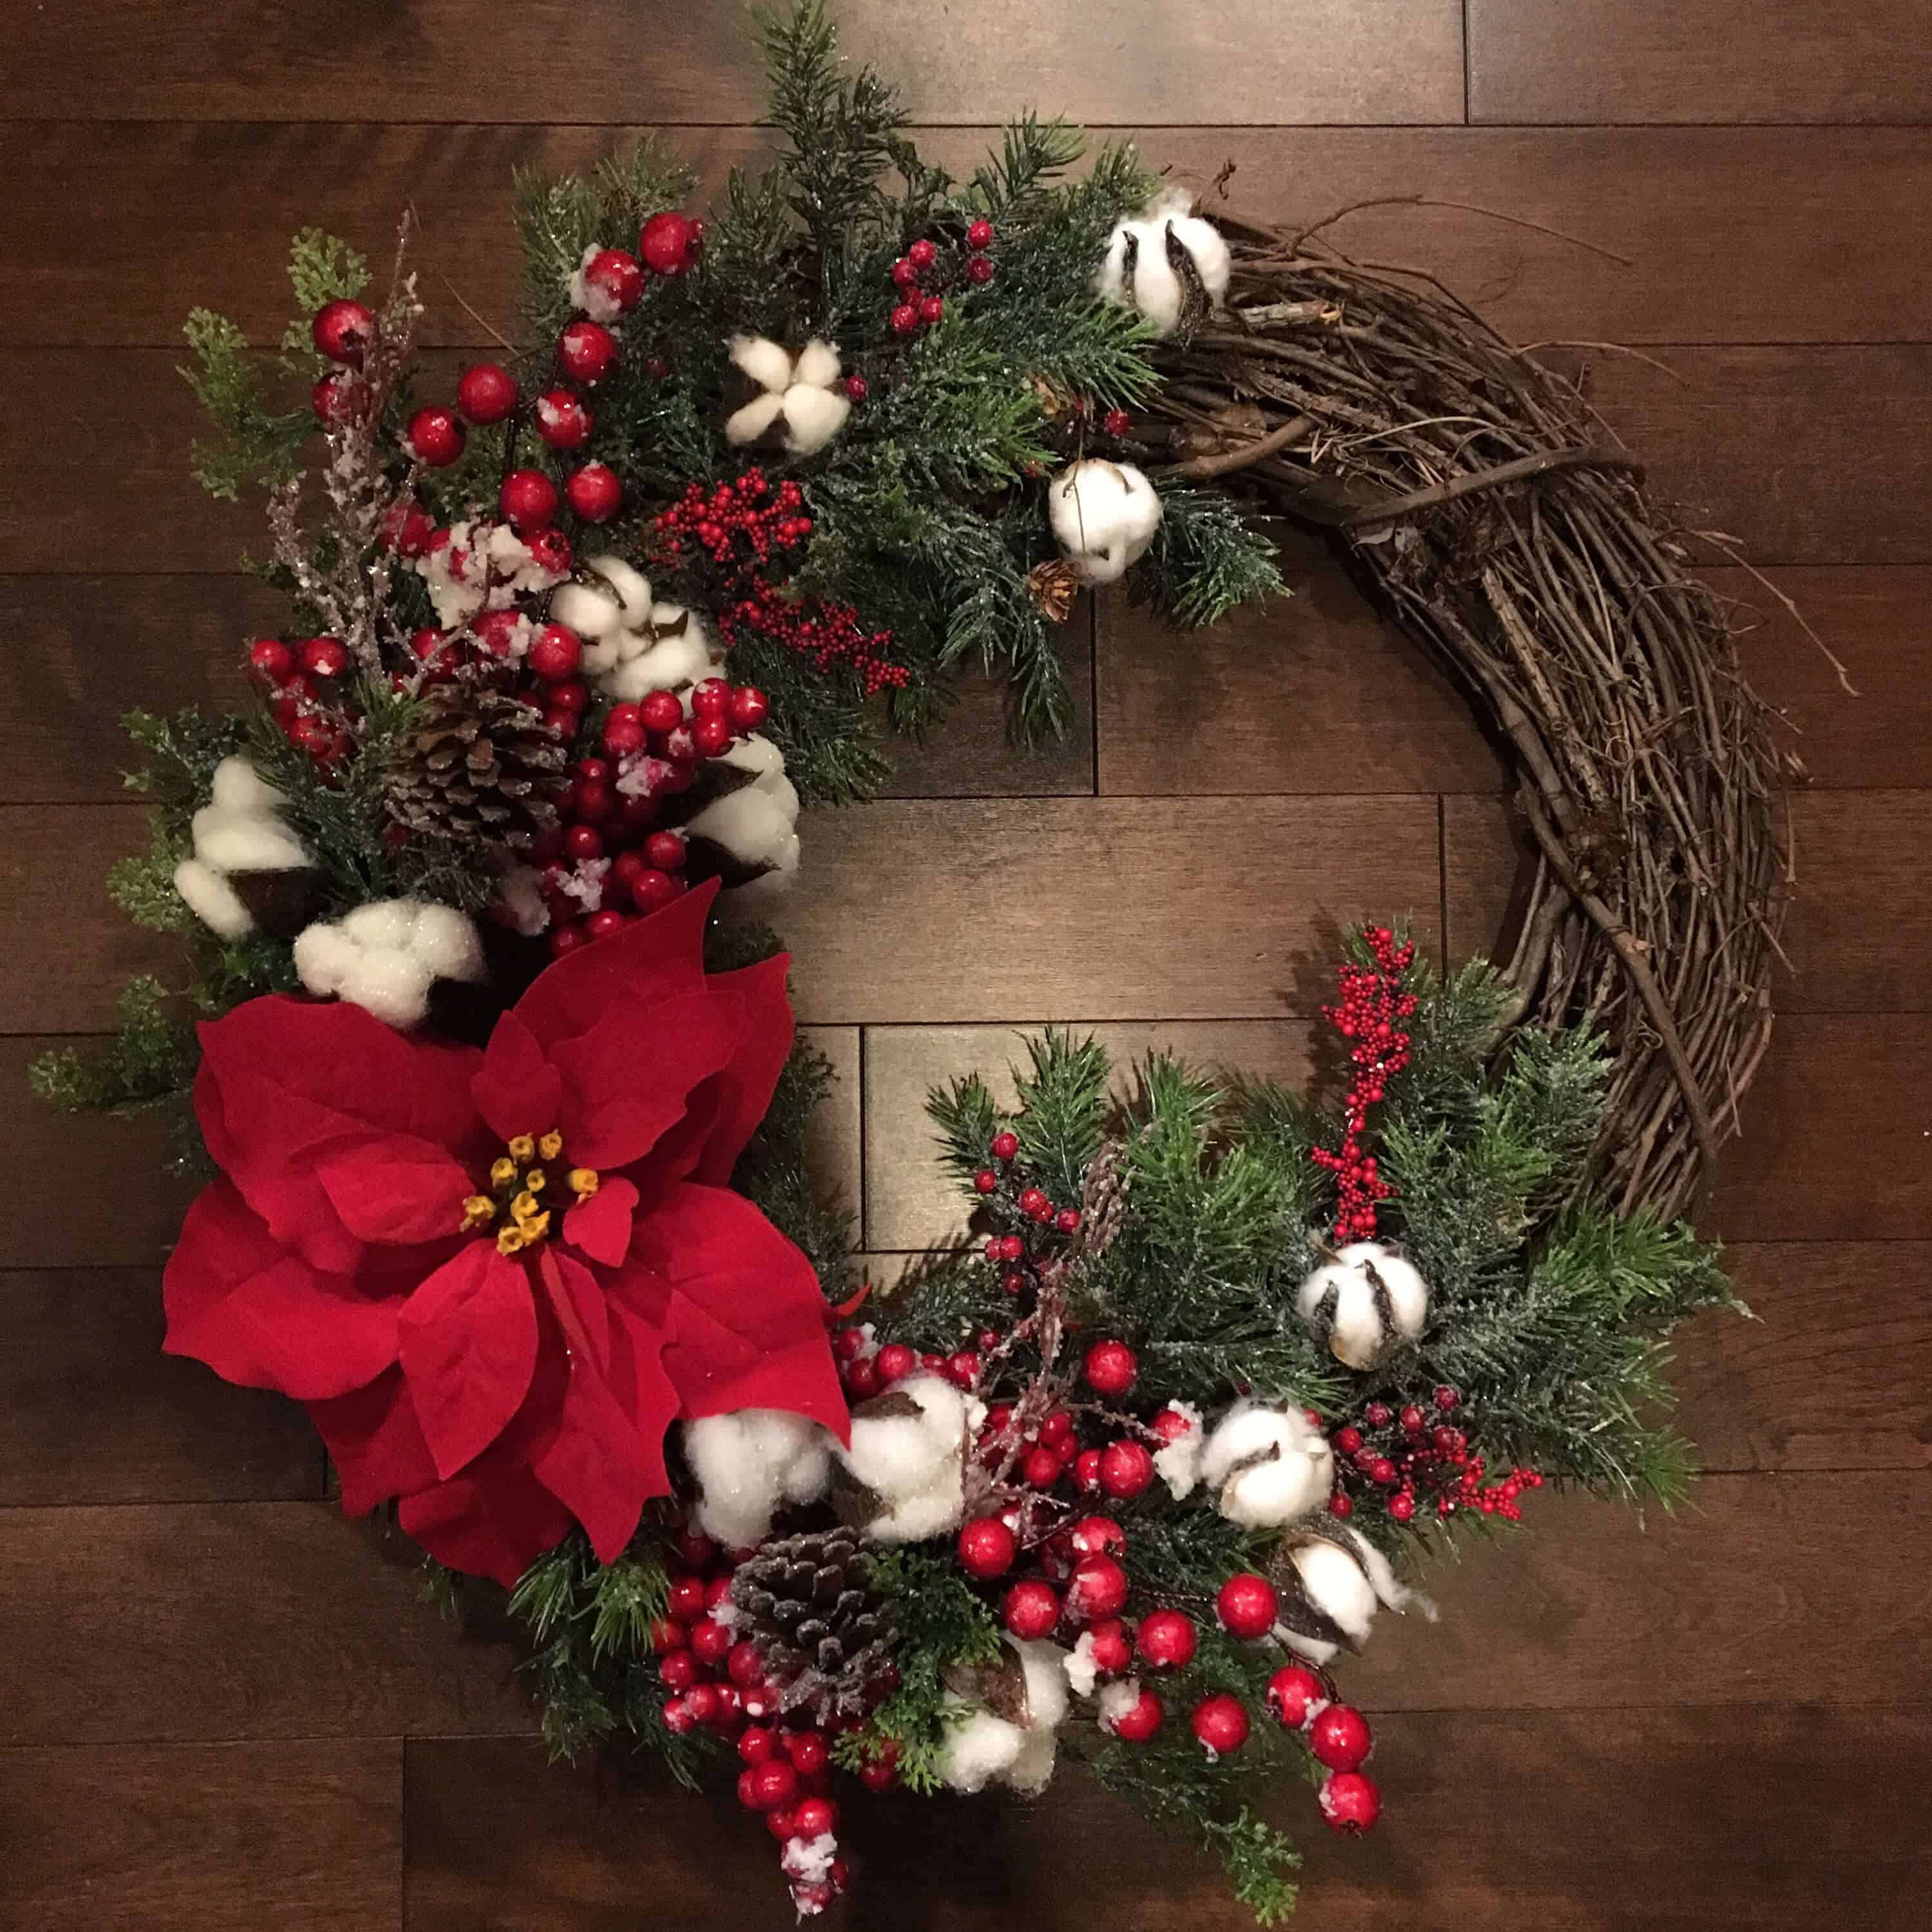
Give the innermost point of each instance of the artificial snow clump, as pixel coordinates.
(903, 1476)
(385, 956)
(1104, 515)
(1015, 1745)
(247, 868)
(1270, 1466)
(1168, 264)
(1178, 1465)
(780, 400)
(473, 565)
(1365, 1304)
(750, 1465)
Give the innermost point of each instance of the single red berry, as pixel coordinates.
(527, 499)
(778, 1823)
(678, 1719)
(1166, 1639)
(932, 308)
(1098, 1588)
(1402, 1506)
(711, 698)
(550, 548)
(922, 253)
(750, 707)
(856, 389)
(1294, 1695)
(904, 274)
(623, 730)
(666, 851)
(881, 1772)
(1411, 1420)
(1339, 1737)
(338, 398)
(555, 652)
(485, 393)
(1097, 1534)
(743, 1664)
(1109, 1645)
(712, 736)
(980, 270)
(1341, 1505)
(685, 1599)
(435, 436)
(1140, 1720)
(665, 242)
(583, 841)
(861, 1378)
(594, 492)
(1067, 1220)
(562, 420)
(904, 319)
(1125, 1469)
(1040, 1468)
(986, 1181)
(1221, 1723)
(757, 1744)
(1034, 1205)
(1446, 1398)
(271, 660)
(770, 1786)
(325, 657)
(815, 1817)
(565, 939)
(616, 275)
(586, 353)
(1170, 1425)
(1005, 1144)
(962, 1368)
(710, 1640)
(807, 1751)
(1111, 1368)
(1350, 1802)
(987, 1548)
(979, 236)
(1014, 1282)
(407, 529)
(1087, 1472)
(1247, 1606)
(660, 711)
(895, 1362)
(1030, 1610)
(342, 330)
(1347, 1440)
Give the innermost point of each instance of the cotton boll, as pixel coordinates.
(235, 841)
(386, 926)
(750, 1463)
(590, 612)
(385, 956)
(747, 425)
(211, 899)
(446, 942)
(767, 365)
(1141, 272)
(907, 1457)
(1045, 1666)
(680, 659)
(1271, 1466)
(813, 417)
(1104, 516)
(978, 1747)
(393, 986)
(238, 786)
(817, 366)
(1337, 1586)
(1031, 1770)
(629, 585)
(752, 827)
(1367, 1302)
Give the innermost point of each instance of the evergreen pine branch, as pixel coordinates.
(773, 1172)
(252, 443)
(1206, 559)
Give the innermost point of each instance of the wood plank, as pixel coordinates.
(1836, 1372)
(86, 1343)
(1319, 695)
(1713, 1824)
(1837, 1141)
(1808, 454)
(102, 1195)
(1780, 221)
(1210, 915)
(911, 1202)
(320, 1631)
(1301, 60)
(1879, 622)
(832, 1142)
(65, 949)
(1855, 932)
(204, 1837)
(1698, 60)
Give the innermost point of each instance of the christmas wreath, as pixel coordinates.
(503, 1130)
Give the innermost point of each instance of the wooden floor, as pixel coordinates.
(221, 1707)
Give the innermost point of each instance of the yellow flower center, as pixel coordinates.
(513, 1206)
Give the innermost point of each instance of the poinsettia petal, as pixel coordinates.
(516, 1089)
(238, 1300)
(396, 1192)
(743, 1317)
(626, 1080)
(373, 1437)
(660, 957)
(468, 1345)
(741, 1094)
(598, 1463)
(600, 1226)
(493, 1520)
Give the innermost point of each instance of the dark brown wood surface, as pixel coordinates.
(223, 1706)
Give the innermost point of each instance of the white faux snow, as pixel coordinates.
(597, 302)
(1115, 1701)
(1178, 1464)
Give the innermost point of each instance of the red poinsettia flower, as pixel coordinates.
(496, 1277)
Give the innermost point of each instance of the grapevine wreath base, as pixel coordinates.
(503, 1129)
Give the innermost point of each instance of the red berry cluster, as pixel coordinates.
(1373, 1003)
(917, 303)
(308, 694)
(716, 1681)
(1406, 1458)
(739, 525)
(1338, 1739)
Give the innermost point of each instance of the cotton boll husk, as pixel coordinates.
(978, 1748)
(393, 986)
(1358, 1338)
(211, 899)
(1045, 1666)
(817, 364)
(813, 417)
(630, 585)
(238, 786)
(383, 926)
(762, 359)
(591, 613)
(1337, 1586)
(749, 1462)
(446, 942)
(748, 423)
(236, 841)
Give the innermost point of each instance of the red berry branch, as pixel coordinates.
(1372, 1005)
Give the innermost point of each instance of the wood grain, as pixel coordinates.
(832, 1150)
(1508, 1820)
(159, 1624)
(90, 1411)
(1780, 221)
(1835, 1373)
(910, 1203)
(1301, 60)
(202, 1838)
(1698, 60)
(929, 911)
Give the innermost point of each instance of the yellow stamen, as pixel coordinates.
(502, 1172)
(509, 1240)
(523, 1148)
(478, 1211)
(551, 1145)
(534, 1180)
(583, 1181)
(535, 1228)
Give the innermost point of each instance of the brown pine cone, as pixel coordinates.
(480, 766)
(822, 1634)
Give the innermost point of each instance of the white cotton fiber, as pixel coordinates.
(749, 1464)
(211, 899)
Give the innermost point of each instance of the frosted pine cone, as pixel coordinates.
(481, 767)
(822, 1633)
